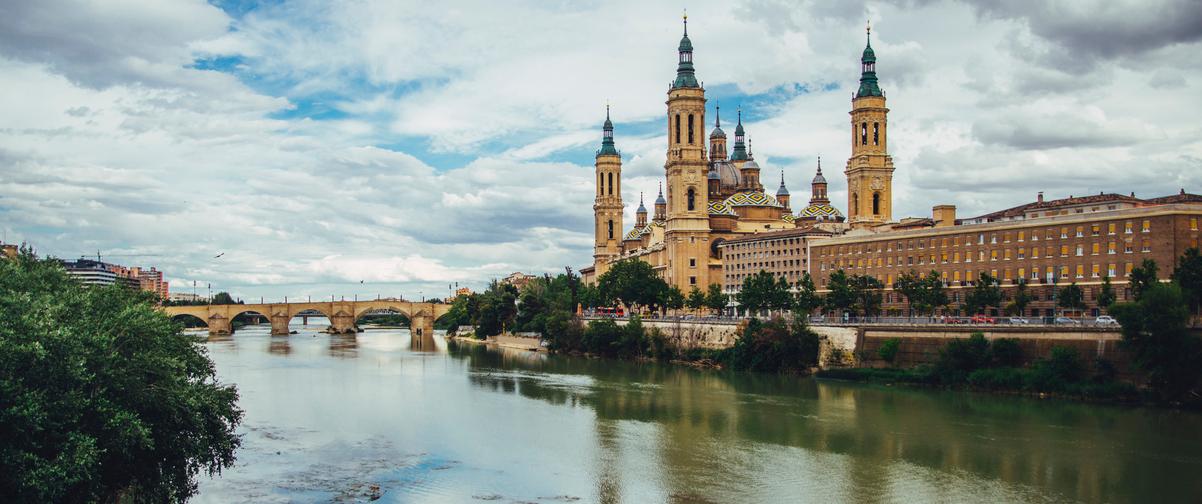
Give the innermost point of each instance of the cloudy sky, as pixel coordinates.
(388, 147)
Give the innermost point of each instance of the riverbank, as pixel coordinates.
(512, 342)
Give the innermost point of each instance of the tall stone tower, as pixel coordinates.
(687, 232)
(607, 205)
(717, 138)
(870, 168)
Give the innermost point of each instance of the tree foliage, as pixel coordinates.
(715, 299)
(866, 290)
(924, 293)
(763, 291)
(1071, 297)
(807, 298)
(1022, 298)
(984, 294)
(1142, 278)
(102, 397)
(776, 346)
(841, 297)
(633, 283)
(1106, 296)
(1188, 275)
(1155, 329)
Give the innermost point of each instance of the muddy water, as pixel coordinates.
(351, 418)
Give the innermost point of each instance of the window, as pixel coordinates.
(1007, 255)
(1064, 271)
(1034, 252)
(1127, 227)
(876, 203)
(692, 262)
(1127, 247)
(864, 134)
(956, 257)
(1193, 223)
(1095, 229)
(1127, 270)
(1064, 232)
(876, 131)
(1094, 248)
(1080, 231)
(1111, 269)
(1022, 253)
(1110, 228)
(1110, 248)
(1147, 226)
(692, 280)
(691, 198)
(1064, 251)
(677, 128)
(1080, 271)
(1021, 235)
(611, 230)
(1095, 271)
(1147, 246)
(1080, 250)
(993, 239)
(1006, 238)
(611, 184)
(1022, 273)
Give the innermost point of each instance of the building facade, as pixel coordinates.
(1046, 244)
(711, 196)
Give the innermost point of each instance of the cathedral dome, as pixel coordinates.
(821, 212)
(752, 198)
(728, 174)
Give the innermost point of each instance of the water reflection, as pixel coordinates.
(458, 423)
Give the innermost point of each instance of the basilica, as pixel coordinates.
(712, 194)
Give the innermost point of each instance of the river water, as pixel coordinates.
(348, 418)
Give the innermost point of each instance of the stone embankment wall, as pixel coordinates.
(921, 344)
(850, 346)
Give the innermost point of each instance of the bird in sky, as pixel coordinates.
(218, 255)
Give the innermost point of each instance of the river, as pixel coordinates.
(348, 418)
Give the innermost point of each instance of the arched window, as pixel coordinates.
(600, 184)
(611, 184)
(855, 203)
(611, 229)
(876, 132)
(677, 128)
(691, 198)
(863, 134)
(690, 129)
(876, 203)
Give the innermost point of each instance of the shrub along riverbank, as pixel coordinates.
(976, 363)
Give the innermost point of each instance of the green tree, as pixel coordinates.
(1188, 275)
(1071, 297)
(672, 298)
(224, 298)
(866, 290)
(1155, 329)
(807, 299)
(715, 299)
(102, 397)
(498, 309)
(841, 297)
(984, 294)
(1142, 278)
(633, 283)
(696, 299)
(1022, 298)
(1106, 295)
(909, 284)
(761, 291)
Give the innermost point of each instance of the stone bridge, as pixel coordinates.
(342, 314)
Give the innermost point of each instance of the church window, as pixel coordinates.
(677, 128)
(876, 203)
(691, 198)
(611, 229)
(600, 183)
(855, 203)
(690, 129)
(611, 184)
(864, 134)
(876, 132)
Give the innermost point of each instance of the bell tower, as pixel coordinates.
(687, 230)
(870, 168)
(607, 205)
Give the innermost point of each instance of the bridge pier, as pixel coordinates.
(279, 324)
(343, 323)
(219, 326)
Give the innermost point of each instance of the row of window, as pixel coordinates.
(968, 240)
(1048, 274)
(1020, 253)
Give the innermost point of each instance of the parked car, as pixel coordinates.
(1019, 320)
(1066, 320)
(1105, 320)
(983, 319)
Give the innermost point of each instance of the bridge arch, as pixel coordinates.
(189, 320)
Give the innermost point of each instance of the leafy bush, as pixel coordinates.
(961, 357)
(1006, 352)
(918, 375)
(888, 349)
(1054, 374)
(775, 346)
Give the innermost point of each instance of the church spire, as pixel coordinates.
(739, 152)
(607, 136)
(868, 82)
(782, 191)
(685, 77)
